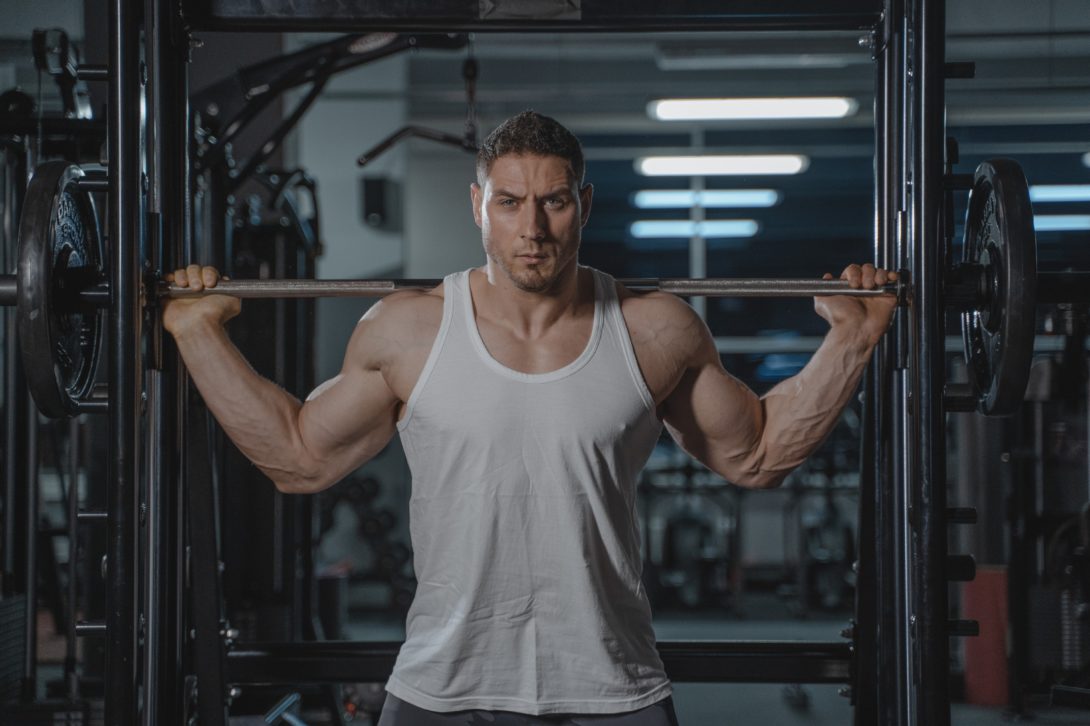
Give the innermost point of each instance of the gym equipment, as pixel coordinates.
(1000, 248)
(890, 684)
(59, 252)
(711, 287)
(59, 287)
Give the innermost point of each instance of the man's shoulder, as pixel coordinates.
(400, 322)
(653, 308)
(406, 305)
(662, 321)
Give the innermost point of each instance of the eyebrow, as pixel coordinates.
(557, 191)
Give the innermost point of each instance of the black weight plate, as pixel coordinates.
(59, 241)
(999, 332)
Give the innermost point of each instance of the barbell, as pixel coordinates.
(59, 289)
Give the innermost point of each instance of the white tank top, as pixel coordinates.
(523, 523)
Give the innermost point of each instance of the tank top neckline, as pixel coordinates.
(482, 351)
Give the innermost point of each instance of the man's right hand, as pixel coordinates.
(184, 314)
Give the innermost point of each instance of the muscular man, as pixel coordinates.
(528, 394)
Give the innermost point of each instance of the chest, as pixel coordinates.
(579, 423)
(548, 351)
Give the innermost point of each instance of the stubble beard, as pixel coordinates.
(528, 280)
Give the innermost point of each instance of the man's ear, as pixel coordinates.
(586, 195)
(476, 196)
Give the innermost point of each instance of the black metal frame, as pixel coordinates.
(471, 16)
(167, 154)
(685, 661)
(929, 623)
(20, 497)
(903, 623)
(125, 362)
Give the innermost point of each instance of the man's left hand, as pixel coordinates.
(870, 316)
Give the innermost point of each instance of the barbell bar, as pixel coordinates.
(98, 293)
(60, 292)
(61, 296)
(1053, 287)
(705, 287)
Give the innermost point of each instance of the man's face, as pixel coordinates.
(531, 212)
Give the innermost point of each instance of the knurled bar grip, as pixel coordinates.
(709, 287)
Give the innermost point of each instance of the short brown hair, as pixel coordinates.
(531, 133)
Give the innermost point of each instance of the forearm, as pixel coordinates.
(801, 411)
(259, 417)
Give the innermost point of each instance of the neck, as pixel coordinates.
(531, 312)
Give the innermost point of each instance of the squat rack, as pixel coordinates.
(900, 638)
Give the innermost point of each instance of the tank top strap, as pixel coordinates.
(615, 323)
(450, 294)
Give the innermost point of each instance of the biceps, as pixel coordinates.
(715, 417)
(348, 419)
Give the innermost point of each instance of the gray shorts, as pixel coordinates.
(396, 712)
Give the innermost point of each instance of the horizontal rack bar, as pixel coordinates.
(450, 16)
(91, 515)
(89, 629)
(685, 661)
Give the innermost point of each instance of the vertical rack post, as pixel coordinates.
(931, 630)
(122, 626)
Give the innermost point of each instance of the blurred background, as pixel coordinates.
(720, 562)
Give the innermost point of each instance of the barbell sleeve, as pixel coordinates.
(709, 287)
(9, 290)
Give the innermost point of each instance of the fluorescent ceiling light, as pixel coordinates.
(709, 109)
(754, 61)
(1059, 193)
(708, 198)
(721, 165)
(689, 228)
(1060, 222)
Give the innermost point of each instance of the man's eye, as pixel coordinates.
(555, 202)
(507, 202)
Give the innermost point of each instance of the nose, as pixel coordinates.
(532, 222)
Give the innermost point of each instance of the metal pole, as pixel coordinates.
(168, 113)
(736, 661)
(30, 485)
(124, 320)
(892, 457)
(70, 665)
(152, 554)
(711, 287)
(177, 246)
(15, 392)
(932, 639)
(165, 144)
(9, 289)
(873, 616)
(282, 289)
